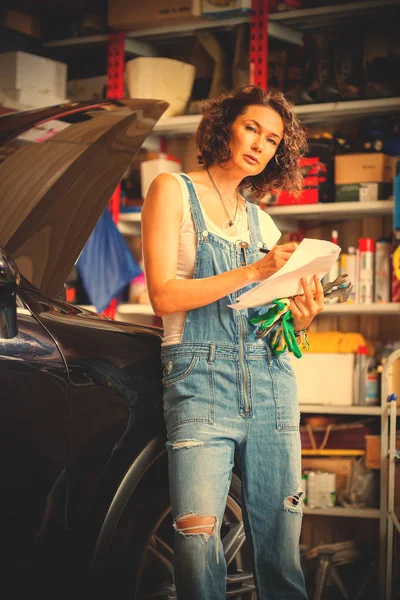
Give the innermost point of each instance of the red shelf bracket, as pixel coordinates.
(115, 90)
(116, 64)
(258, 53)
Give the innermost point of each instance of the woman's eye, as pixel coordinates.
(271, 141)
(250, 128)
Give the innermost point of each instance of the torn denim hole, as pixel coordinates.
(168, 368)
(294, 503)
(186, 532)
(186, 444)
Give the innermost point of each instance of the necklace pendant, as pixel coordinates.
(230, 223)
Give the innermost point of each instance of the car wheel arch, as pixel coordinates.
(151, 452)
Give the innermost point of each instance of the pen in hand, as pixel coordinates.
(264, 250)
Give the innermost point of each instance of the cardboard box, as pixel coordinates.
(229, 8)
(92, 88)
(149, 169)
(373, 450)
(324, 378)
(341, 466)
(28, 99)
(311, 167)
(25, 71)
(152, 77)
(364, 168)
(123, 14)
(19, 21)
(363, 192)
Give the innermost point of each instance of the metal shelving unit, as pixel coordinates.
(134, 46)
(308, 113)
(287, 216)
(328, 16)
(342, 511)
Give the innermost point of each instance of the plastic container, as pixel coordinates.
(327, 489)
(161, 78)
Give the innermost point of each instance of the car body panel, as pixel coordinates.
(34, 430)
(53, 192)
(80, 394)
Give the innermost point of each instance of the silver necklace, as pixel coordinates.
(231, 222)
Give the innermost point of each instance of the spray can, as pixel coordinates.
(382, 283)
(352, 272)
(360, 374)
(366, 249)
(335, 268)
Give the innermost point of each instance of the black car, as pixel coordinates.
(84, 490)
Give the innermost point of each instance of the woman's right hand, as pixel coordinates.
(272, 262)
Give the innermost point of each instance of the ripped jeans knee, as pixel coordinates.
(201, 526)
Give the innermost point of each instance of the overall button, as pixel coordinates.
(205, 233)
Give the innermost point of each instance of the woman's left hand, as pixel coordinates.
(305, 307)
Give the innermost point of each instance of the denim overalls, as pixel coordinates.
(225, 398)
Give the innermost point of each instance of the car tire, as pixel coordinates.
(139, 557)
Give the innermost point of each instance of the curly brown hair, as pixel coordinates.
(214, 134)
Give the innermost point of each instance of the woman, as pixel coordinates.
(226, 397)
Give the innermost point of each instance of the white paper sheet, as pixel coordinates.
(311, 257)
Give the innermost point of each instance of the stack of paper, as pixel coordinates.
(311, 257)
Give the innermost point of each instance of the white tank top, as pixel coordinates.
(173, 323)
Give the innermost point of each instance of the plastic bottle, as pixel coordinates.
(366, 249)
(372, 383)
(395, 288)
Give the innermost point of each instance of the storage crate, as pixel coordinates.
(25, 71)
(373, 450)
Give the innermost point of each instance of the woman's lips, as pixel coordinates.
(250, 159)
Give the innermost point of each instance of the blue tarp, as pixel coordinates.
(106, 264)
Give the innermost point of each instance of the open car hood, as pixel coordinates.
(59, 168)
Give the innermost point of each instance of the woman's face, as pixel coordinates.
(255, 138)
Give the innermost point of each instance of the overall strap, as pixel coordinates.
(254, 224)
(197, 213)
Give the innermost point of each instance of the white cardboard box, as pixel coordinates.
(149, 169)
(324, 378)
(28, 99)
(22, 70)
